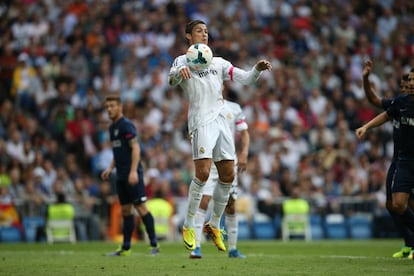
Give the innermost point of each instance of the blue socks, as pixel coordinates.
(148, 221)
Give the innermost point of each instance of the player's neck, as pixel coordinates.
(118, 118)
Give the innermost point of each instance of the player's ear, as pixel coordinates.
(188, 36)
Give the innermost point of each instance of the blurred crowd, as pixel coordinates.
(59, 57)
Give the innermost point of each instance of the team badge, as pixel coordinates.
(202, 150)
(116, 132)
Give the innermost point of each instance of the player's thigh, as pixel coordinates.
(403, 181)
(131, 194)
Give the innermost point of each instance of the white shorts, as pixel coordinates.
(212, 182)
(213, 141)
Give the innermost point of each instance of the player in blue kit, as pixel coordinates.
(384, 103)
(129, 176)
(401, 110)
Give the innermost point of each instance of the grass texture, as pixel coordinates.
(272, 257)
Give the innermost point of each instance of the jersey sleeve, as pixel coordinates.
(240, 122)
(385, 103)
(237, 74)
(174, 77)
(393, 109)
(129, 132)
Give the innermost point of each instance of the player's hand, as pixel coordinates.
(360, 132)
(133, 178)
(185, 73)
(262, 65)
(367, 68)
(241, 164)
(106, 173)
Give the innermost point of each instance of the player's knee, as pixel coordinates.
(203, 174)
(227, 176)
(389, 206)
(399, 206)
(126, 211)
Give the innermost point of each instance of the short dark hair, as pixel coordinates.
(114, 97)
(404, 77)
(190, 25)
(60, 198)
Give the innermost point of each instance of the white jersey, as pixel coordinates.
(204, 88)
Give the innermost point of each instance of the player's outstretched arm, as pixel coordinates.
(250, 77)
(377, 121)
(368, 89)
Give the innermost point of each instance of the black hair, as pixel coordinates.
(60, 198)
(404, 77)
(115, 97)
(190, 25)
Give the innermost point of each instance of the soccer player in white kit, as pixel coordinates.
(237, 122)
(211, 137)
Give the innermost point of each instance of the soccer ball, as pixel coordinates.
(199, 56)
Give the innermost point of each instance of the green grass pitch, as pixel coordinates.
(272, 257)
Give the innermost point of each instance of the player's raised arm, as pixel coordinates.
(368, 89)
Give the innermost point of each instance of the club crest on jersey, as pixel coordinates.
(116, 132)
(202, 150)
(229, 116)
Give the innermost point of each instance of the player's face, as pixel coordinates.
(410, 83)
(403, 86)
(114, 109)
(199, 34)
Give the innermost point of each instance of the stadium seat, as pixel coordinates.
(60, 231)
(360, 226)
(263, 227)
(244, 230)
(10, 234)
(316, 226)
(336, 226)
(295, 225)
(31, 226)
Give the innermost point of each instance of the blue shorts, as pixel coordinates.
(131, 194)
(404, 177)
(389, 180)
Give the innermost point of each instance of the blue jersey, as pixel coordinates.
(402, 110)
(121, 133)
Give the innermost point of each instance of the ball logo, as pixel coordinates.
(199, 56)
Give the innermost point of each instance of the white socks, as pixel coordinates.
(195, 192)
(231, 225)
(220, 197)
(198, 225)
